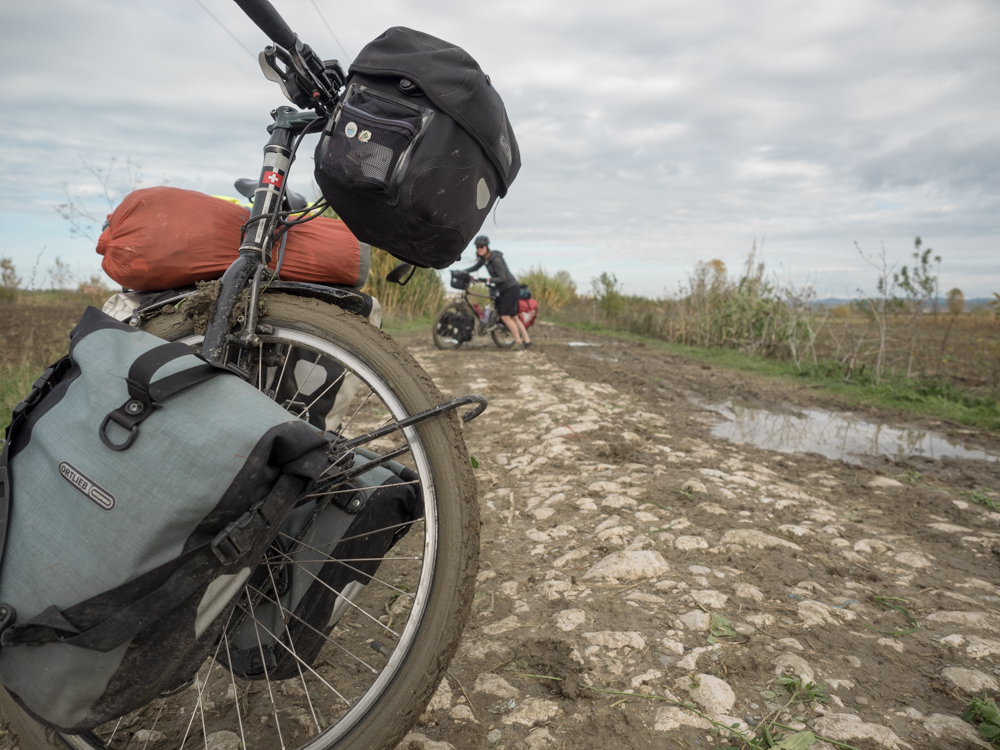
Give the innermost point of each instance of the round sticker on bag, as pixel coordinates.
(351, 129)
(364, 136)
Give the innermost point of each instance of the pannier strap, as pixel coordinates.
(144, 397)
(114, 617)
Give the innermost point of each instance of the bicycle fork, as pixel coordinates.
(255, 251)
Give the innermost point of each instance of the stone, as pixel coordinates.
(844, 727)
(687, 543)
(223, 740)
(418, 741)
(758, 539)
(505, 625)
(970, 680)
(149, 737)
(570, 619)
(441, 700)
(796, 665)
(947, 728)
(541, 739)
(532, 712)
(883, 482)
(713, 695)
(976, 620)
(462, 713)
(671, 718)
(710, 599)
(980, 648)
(629, 566)
(748, 591)
(913, 559)
(613, 641)
(695, 620)
(493, 684)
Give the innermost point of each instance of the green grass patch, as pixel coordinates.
(400, 325)
(15, 382)
(925, 397)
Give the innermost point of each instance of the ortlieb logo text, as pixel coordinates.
(92, 491)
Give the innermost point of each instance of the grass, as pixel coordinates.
(929, 398)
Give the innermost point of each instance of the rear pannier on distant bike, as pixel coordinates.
(237, 513)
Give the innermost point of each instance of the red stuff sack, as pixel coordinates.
(163, 238)
(527, 310)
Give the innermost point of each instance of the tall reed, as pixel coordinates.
(422, 296)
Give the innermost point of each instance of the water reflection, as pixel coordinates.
(832, 435)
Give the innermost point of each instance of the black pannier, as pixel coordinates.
(524, 292)
(418, 150)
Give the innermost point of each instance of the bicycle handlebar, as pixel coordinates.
(262, 13)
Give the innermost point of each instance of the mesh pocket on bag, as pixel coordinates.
(370, 140)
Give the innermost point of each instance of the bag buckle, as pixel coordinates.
(7, 616)
(229, 545)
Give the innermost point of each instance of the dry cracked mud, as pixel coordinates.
(631, 563)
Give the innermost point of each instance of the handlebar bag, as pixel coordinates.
(354, 529)
(141, 488)
(418, 149)
(164, 238)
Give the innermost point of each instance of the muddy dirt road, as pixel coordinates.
(626, 550)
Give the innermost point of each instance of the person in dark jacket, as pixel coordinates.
(507, 286)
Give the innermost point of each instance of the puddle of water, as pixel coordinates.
(580, 343)
(832, 435)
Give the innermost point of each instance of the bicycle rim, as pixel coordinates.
(382, 660)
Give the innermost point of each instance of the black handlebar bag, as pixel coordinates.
(418, 149)
(141, 487)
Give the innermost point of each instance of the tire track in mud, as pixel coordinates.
(626, 551)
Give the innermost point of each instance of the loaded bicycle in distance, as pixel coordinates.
(476, 314)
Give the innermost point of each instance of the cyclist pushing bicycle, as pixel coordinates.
(507, 288)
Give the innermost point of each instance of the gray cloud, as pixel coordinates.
(653, 134)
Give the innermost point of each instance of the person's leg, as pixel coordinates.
(512, 327)
(522, 330)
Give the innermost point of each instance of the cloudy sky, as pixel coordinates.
(654, 134)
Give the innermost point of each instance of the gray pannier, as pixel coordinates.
(141, 487)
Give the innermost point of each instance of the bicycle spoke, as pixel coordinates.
(281, 375)
(236, 693)
(327, 493)
(267, 679)
(331, 545)
(318, 632)
(325, 391)
(262, 626)
(291, 646)
(352, 568)
(327, 586)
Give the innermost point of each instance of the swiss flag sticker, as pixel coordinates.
(272, 178)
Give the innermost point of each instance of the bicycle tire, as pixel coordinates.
(501, 335)
(391, 697)
(445, 334)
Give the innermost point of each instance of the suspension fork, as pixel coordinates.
(255, 252)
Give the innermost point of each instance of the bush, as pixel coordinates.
(553, 291)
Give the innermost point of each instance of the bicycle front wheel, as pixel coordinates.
(390, 648)
(446, 330)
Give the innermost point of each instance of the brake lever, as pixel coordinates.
(304, 79)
